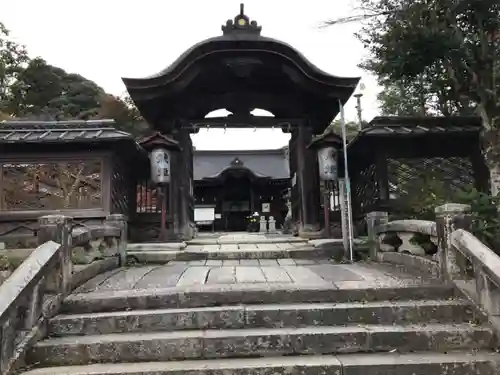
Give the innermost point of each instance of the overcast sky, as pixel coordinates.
(104, 40)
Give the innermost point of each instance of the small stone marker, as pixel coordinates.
(263, 224)
(272, 225)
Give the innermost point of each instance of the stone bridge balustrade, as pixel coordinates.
(475, 270)
(461, 258)
(393, 242)
(98, 242)
(35, 290)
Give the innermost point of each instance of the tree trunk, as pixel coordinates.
(494, 169)
(490, 139)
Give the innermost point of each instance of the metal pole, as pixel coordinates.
(347, 182)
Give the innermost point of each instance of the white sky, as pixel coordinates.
(104, 40)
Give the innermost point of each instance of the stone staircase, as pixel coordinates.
(250, 329)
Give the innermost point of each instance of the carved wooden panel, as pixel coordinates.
(49, 185)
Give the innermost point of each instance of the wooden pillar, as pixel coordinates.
(292, 162)
(382, 177)
(479, 169)
(184, 198)
(174, 207)
(308, 180)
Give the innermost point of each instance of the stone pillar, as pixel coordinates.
(308, 180)
(120, 221)
(263, 224)
(58, 228)
(272, 225)
(374, 219)
(450, 217)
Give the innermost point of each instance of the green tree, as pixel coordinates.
(43, 90)
(459, 39)
(34, 89)
(125, 114)
(351, 127)
(13, 58)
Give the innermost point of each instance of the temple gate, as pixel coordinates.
(240, 71)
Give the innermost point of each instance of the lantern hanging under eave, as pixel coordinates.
(327, 146)
(160, 166)
(327, 163)
(160, 148)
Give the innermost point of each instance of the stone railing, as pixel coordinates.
(461, 258)
(409, 243)
(35, 290)
(469, 264)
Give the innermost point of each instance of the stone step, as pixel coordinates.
(158, 256)
(455, 363)
(217, 295)
(210, 344)
(250, 239)
(262, 316)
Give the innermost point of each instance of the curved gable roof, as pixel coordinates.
(242, 35)
(271, 164)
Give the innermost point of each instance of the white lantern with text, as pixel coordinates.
(160, 166)
(327, 163)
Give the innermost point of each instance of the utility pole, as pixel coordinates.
(359, 110)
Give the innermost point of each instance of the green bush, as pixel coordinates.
(485, 218)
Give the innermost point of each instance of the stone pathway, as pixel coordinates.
(243, 259)
(266, 273)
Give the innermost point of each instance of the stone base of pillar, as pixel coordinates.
(310, 231)
(188, 231)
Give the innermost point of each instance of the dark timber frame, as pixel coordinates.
(393, 152)
(240, 71)
(47, 142)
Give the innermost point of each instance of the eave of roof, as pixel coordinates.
(60, 132)
(399, 126)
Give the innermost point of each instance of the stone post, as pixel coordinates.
(58, 228)
(263, 224)
(120, 221)
(450, 217)
(272, 225)
(373, 220)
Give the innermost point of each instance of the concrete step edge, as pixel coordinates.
(251, 366)
(304, 306)
(262, 316)
(251, 343)
(213, 295)
(370, 329)
(147, 255)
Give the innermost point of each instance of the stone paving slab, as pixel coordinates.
(265, 272)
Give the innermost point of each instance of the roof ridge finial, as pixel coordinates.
(241, 24)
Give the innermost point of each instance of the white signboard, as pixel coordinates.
(266, 207)
(204, 214)
(218, 216)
